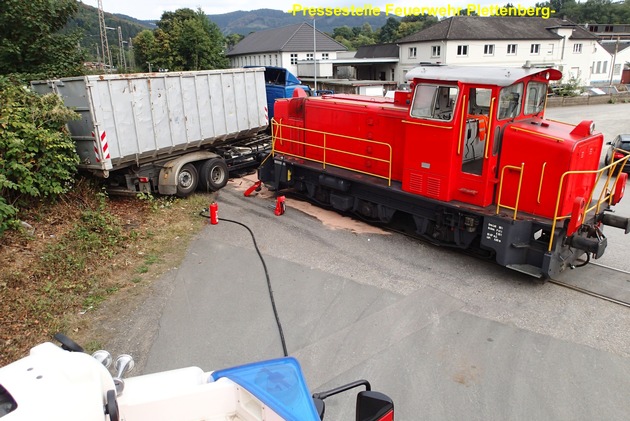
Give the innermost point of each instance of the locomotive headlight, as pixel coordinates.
(591, 129)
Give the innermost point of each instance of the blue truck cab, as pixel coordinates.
(280, 83)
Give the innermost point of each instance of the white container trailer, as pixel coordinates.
(166, 132)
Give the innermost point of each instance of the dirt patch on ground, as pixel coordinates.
(330, 219)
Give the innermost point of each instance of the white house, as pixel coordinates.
(620, 51)
(295, 47)
(508, 41)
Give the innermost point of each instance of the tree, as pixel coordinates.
(343, 32)
(233, 39)
(145, 48)
(38, 158)
(388, 31)
(184, 40)
(31, 41)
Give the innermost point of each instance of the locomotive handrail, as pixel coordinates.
(540, 185)
(534, 133)
(518, 191)
(490, 128)
(461, 127)
(605, 195)
(417, 123)
(277, 134)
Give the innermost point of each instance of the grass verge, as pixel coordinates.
(82, 250)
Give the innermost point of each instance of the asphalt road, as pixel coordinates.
(447, 336)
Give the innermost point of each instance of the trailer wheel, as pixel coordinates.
(214, 174)
(187, 180)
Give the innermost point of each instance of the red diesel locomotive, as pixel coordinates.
(467, 155)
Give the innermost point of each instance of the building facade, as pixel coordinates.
(297, 48)
(511, 42)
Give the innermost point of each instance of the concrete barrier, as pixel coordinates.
(564, 101)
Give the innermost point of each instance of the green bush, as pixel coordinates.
(37, 156)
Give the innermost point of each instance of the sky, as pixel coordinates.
(153, 9)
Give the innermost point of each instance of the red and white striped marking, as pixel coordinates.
(266, 115)
(104, 146)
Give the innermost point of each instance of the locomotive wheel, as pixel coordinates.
(187, 180)
(214, 174)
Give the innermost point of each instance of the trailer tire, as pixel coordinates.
(214, 174)
(187, 180)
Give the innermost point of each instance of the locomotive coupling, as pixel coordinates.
(594, 242)
(615, 221)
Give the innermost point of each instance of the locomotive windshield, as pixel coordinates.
(536, 94)
(435, 102)
(510, 100)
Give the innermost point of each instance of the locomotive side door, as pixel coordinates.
(474, 171)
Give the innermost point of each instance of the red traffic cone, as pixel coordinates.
(280, 206)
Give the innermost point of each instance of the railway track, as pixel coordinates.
(597, 280)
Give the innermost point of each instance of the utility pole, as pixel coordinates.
(315, 54)
(132, 57)
(107, 57)
(122, 61)
(612, 68)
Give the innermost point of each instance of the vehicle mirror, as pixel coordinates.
(374, 406)
(320, 407)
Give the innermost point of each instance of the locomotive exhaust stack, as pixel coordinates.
(467, 155)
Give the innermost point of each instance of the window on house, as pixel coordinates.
(462, 50)
(605, 67)
(577, 48)
(617, 69)
(412, 52)
(293, 58)
(598, 69)
(309, 56)
(534, 49)
(511, 49)
(436, 50)
(608, 28)
(488, 50)
(324, 56)
(549, 49)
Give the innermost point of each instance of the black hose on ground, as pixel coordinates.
(205, 214)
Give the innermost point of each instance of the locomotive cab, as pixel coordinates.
(458, 118)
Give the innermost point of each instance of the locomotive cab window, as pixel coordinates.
(536, 95)
(510, 100)
(434, 102)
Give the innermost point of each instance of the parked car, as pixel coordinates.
(622, 141)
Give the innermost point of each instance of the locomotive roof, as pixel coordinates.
(500, 76)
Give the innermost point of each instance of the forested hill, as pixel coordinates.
(239, 22)
(86, 19)
(242, 22)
